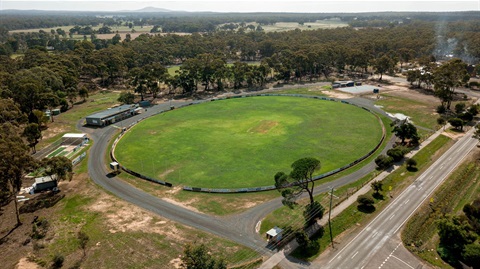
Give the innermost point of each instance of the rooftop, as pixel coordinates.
(74, 135)
(110, 112)
(274, 231)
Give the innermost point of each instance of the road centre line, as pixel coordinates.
(354, 255)
(391, 217)
(406, 202)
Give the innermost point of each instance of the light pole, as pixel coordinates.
(329, 215)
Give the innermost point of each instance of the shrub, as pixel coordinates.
(473, 110)
(397, 153)
(383, 161)
(365, 200)
(365, 203)
(441, 121)
(457, 123)
(57, 261)
(441, 109)
(411, 163)
(467, 116)
(471, 254)
(459, 108)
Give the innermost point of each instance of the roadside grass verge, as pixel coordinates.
(461, 187)
(393, 184)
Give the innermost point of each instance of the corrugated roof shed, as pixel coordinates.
(110, 112)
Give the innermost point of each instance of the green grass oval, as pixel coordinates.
(240, 143)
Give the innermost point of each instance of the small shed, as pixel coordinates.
(44, 183)
(274, 234)
(74, 139)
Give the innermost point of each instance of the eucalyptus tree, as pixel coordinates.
(447, 78)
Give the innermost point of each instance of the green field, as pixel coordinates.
(243, 142)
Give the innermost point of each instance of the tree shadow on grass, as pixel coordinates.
(366, 209)
(378, 196)
(412, 169)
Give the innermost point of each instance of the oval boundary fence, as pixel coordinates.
(252, 189)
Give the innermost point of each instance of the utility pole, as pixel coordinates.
(329, 214)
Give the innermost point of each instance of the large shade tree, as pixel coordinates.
(15, 162)
(447, 78)
(404, 129)
(299, 180)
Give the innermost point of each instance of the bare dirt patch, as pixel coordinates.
(453, 135)
(24, 263)
(184, 204)
(176, 263)
(263, 127)
(406, 93)
(338, 95)
(52, 131)
(165, 173)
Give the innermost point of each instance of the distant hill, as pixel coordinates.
(152, 9)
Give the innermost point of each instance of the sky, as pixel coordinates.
(310, 6)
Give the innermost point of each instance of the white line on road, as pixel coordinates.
(406, 202)
(390, 255)
(354, 255)
(403, 262)
(257, 227)
(373, 235)
(391, 217)
(435, 185)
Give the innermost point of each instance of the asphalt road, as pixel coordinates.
(239, 228)
(369, 248)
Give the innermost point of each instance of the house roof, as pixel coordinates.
(274, 231)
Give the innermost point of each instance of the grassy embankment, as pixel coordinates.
(461, 187)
